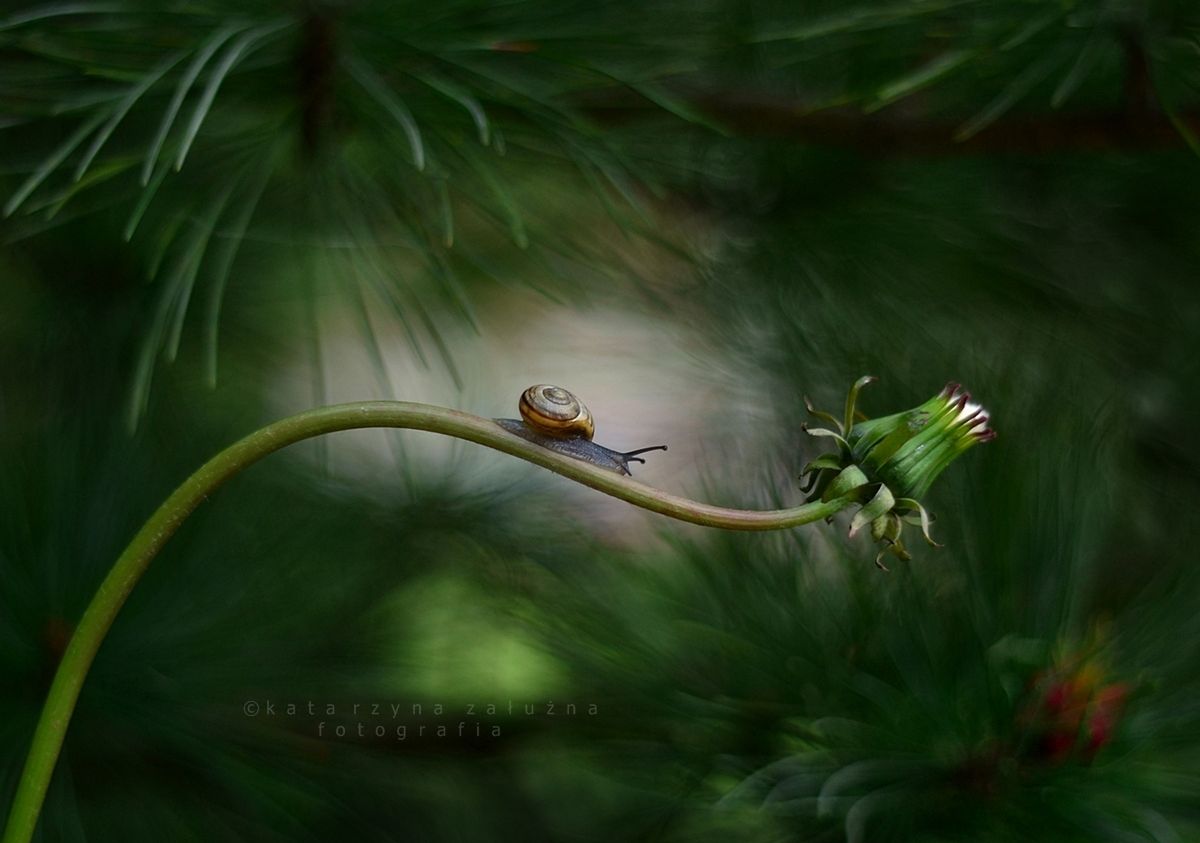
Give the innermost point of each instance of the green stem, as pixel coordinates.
(129, 567)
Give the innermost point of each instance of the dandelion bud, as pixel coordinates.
(908, 450)
(886, 463)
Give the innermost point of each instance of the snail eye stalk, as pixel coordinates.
(632, 456)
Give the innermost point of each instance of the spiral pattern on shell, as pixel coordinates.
(554, 411)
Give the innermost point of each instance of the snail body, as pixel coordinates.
(556, 419)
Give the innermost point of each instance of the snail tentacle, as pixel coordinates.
(632, 456)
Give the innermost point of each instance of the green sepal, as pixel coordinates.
(924, 518)
(895, 548)
(852, 399)
(823, 416)
(887, 527)
(820, 431)
(819, 472)
(879, 505)
(815, 484)
(878, 526)
(826, 461)
(848, 479)
(879, 560)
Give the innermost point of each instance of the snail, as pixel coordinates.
(554, 418)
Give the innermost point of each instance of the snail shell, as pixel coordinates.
(558, 421)
(553, 411)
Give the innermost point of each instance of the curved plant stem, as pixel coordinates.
(129, 567)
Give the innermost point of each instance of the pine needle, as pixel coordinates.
(447, 209)
(188, 79)
(463, 98)
(391, 104)
(502, 194)
(109, 170)
(678, 106)
(135, 93)
(166, 238)
(1087, 59)
(223, 264)
(143, 375)
(52, 162)
(923, 77)
(858, 20)
(374, 350)
(320, 384)
(236, 52)
(187, 279)
(1189, 137)
(1034, 27)
(144, 200)
(59, 10)
(1010, 96)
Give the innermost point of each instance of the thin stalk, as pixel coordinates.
(132, 563)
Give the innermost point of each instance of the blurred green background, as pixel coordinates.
(693, 215)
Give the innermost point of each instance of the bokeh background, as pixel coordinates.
(693, 214)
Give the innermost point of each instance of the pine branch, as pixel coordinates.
(753, 115)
